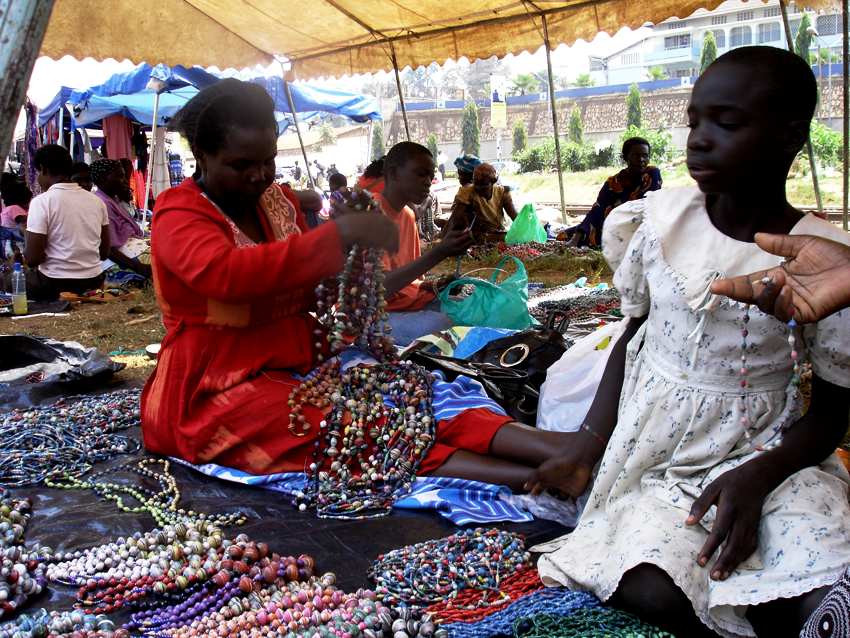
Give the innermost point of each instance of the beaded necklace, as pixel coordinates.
(791, 410)
(162, 505)
(379, 429)
(585, 623)
(351, 305)
(21, 573)
(436, 570)
(66, 437)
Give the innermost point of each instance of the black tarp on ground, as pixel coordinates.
(70, 520)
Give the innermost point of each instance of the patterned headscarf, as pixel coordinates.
(102, 167)
(467, 163)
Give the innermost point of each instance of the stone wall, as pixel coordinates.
(601, 113)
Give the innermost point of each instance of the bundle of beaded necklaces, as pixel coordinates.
(372, 448)
(351, 305)
(791, 410)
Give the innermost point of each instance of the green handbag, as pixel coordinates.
(493, 305)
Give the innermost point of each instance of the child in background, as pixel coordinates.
(16, 204)
(689, 463)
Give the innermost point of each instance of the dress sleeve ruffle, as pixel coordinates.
(624, 241)
(826, 342)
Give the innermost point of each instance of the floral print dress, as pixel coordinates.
(679, 424)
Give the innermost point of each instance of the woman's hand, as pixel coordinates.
(439, 285)
(368, 230)
(815, 280)
(570, 472)
(363, 199)
(739, 497)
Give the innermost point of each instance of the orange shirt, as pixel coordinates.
(411, 297)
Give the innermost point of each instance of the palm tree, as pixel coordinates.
(583, 81)
(655, 73)
(523, 83)
(823, 57)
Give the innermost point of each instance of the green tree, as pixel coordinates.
(469, 131)
(654, 73)
(520, 137)
(327, 134)
(576, 130)
(824, 57)
(803, 38)
(432, 145)
(634, 112)
(583, 81)
(709, 51)
(523, 83)
(378, 149)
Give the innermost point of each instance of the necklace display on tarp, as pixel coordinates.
(437, 570)
(163, 505)
(372, 442)
(351, 305)
(66, 437)
(791, 408)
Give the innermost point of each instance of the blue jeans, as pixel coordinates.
(408, 326)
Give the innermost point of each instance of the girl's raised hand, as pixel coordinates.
(815, 279)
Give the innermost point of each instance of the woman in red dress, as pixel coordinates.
(235, 268)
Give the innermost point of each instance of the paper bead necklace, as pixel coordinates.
(791, 409)
(380, 428)
(21, 573)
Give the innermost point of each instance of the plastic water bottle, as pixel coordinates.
(19, 291)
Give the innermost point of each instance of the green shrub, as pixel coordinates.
(827, 144)
(660, 142)
(574, 157)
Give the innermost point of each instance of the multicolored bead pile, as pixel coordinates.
(351, 306)
(371, 444)
(67, 437)
(162, 505)
(437, 570)
(585, 623)
(21, 573)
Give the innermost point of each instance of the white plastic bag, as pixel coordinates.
(572, 382)
(548, 507)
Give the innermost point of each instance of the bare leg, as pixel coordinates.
(785, 616)
(650, 593)
(527, 445)
(486, 469)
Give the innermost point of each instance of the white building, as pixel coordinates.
(675, 44)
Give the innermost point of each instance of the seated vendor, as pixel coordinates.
(412, 303)
(80, 175)
(67, 231)
(465, 168)
(235, 274)
(126, 239)
(16, 203)
(482, 205)
(372, 178)
(631, 183)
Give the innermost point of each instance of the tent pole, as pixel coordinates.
(554, 118)
(61, 126)
(151, 162)
(298, 131)
(21, 33)
(846, 91)
(809, 148)
(400, 92)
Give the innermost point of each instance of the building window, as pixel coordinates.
(629, 58)
(715, 20)
(829, 24)
(684, 73)
(719, 37)
(677, 42)
(794, 25)
(769, 32)
(744, 16)
(741, 37)
(675, 25)
(794, 8)
(596, 64)
(771, 12)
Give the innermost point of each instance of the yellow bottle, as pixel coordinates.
(19, 291)
(19, 304)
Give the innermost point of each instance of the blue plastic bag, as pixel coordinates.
(503, 305)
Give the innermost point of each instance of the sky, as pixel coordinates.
(50, 75)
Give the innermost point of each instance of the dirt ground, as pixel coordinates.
(115, 326)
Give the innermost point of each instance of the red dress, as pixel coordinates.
(239, 325)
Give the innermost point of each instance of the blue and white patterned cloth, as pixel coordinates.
(458, 500)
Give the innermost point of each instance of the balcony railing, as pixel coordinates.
(672, 54)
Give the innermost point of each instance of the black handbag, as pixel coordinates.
(531, 351)
(509, 388)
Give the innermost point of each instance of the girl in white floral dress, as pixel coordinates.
(687, 524)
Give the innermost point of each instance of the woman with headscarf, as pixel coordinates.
(482, 205)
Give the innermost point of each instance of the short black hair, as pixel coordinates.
(6, 179)
(337, 181)
(401, 153)
(627, 145)
(792, 87)
(375, 169)
(79, 167)
(15, 194)
(205, 119)
(53, 158)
